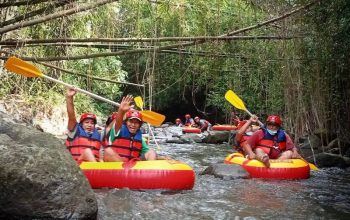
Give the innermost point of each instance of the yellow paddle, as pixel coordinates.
(19, 66)
(139, 103)
(232, 98)
(237, 102)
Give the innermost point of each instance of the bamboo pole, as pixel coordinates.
(270, 21)
(88, 76)
(156, 49)
(67, 41)
(45, 10)
(79, 74)
(71, 11)
(20, 3)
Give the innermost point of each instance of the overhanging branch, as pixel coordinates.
(45, 10)
(20, 3)
(156, 49)
(71, 11)
(89, 76)
(19, 43)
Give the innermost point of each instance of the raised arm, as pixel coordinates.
(72, 121)
(244, 128)
(125, 106)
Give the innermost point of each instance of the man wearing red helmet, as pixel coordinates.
(202, 124)
(271, 142)
(188, 120)
(83, 141)
(125, 140)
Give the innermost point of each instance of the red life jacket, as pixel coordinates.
(270, 144)
(242, 141)
(81, 141)
(127, 146)
(239, 145)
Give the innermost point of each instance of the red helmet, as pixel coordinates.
(195, 118)
(87, 115)
(133, 114)
(241, 123)
(178, 120)
(187, 116)
(274, 119)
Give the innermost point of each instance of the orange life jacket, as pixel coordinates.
(239, 145)
(271, 143)
(81, 141)
(127, 146)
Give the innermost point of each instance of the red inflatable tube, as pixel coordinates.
(191, 130)
(279, 169)
(224, 127)
(157, 174)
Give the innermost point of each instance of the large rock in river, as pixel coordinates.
(226, 171)
(216, 137)
(38, 178)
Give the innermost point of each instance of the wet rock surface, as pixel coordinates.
(38, 177)
(226, 171)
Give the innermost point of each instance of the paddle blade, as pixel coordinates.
(232, 98)
(19, 66)
(312, 166)
(153, 118)
(139, 102)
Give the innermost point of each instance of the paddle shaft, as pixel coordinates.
(81, 90)
(139, 103)
(249, 113)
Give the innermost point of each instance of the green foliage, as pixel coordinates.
(303, 79)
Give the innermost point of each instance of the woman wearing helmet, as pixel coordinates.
(271, 142)
(83, 141)
(125, 140)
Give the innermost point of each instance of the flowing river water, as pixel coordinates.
(325, 195)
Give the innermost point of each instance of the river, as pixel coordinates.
(325, 195)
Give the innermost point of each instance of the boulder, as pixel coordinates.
(191, 138)
(174, 141)
(331, 160)
(216, 137)
(174, 131)
(226, 171)
(338, 146)
(38, 177)
(325, 136)
(310, 145)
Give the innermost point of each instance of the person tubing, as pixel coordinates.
(125, 145)
(273, 145)
(83, 140)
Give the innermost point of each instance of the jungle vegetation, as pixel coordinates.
(287, 57)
